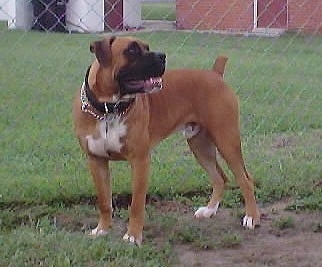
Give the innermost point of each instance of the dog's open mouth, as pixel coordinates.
(151, 85)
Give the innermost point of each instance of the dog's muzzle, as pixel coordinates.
(151, 85)
(142, 76)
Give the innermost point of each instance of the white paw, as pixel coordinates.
(206, 212)
(97, 232)
(248, 222)
(132, 239)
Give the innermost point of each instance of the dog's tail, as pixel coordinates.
(219, 65)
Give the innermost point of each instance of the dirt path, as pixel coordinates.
(302, 249)
(284, 239)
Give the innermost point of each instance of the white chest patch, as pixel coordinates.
(109, 137)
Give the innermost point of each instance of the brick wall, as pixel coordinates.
(237, 15)
(305, 15)
(215, 14)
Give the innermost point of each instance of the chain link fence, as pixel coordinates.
(274, 49)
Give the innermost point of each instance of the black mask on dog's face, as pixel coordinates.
(133, 66)
(143, 72)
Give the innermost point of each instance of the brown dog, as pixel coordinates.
(116, 118)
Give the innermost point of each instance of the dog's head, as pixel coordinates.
(132, 65)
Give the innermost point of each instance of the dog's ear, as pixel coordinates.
(102, 50)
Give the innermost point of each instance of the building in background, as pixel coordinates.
(65, 15)
(249, 15)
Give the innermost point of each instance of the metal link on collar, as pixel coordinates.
(85, 105)
(106, 108)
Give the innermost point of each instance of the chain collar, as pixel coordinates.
(101, 110)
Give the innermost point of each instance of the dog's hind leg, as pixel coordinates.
(229, 145)
(205, 152)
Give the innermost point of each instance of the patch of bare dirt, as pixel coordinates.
(272, 244)
(285, 238)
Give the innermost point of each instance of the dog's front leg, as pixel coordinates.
(102, 181)
(140, 172)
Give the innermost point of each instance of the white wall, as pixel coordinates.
(81, 15)
(18, 13)
(85, 15)
(132, 13)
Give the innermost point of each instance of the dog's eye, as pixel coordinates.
(134, 50)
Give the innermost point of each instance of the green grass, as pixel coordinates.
(46, 246)
(279, 93)
(279, 85)
(54, 236)
(283, 223)
(159, 11)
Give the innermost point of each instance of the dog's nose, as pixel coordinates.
(160, 56)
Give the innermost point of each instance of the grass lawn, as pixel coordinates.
(278, 89)
(158, 10)
(279, 85)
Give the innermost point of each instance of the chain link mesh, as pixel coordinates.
(274, 47)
